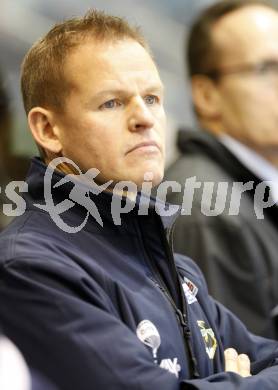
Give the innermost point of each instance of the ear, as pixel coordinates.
(206, 97)
(44, 130)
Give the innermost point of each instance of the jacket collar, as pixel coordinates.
(61, 190)
(204, 143)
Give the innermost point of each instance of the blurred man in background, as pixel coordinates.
(233, 64)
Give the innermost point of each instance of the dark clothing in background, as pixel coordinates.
(74, 303)
(238, 254)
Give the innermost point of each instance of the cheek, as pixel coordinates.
(103, 142)
(250, 101)
(161, 122)
(95, 132)
(240, 105)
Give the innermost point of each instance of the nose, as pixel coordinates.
(140, 117)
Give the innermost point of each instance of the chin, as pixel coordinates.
(154, 177)
(157, 179)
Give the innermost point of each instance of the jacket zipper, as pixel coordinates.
(183, 314)
(180, 315)
(182, 320)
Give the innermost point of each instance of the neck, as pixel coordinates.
(63, 167)
(211, 126)
(68, 169)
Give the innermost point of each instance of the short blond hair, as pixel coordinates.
(43, 81)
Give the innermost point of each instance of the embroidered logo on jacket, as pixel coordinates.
(149, 335)
(209, 339)
(190, 290)
(171, 366)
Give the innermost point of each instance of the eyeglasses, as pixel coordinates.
(264, 68)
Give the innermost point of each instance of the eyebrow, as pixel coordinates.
(158, 88)
(155, 88)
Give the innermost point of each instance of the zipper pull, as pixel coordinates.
(184, 324)
(182, 318)
(187, 334)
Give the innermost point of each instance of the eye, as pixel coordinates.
(268, 67)
(151, 99)
(271, 66)
(110, 104)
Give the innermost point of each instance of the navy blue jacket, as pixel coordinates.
(111, 308)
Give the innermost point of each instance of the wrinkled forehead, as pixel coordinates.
(98, 65)
(249, 34)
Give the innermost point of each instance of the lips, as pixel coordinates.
(144, 145)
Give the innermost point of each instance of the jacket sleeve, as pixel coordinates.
(68, 329)
(263, 353)
(266, 380)
(229, 254)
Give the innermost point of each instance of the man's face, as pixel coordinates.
(248, 102)
(114, 118)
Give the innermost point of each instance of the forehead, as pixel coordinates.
(248, 34)
(99, 65)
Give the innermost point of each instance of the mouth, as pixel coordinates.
(148, 147)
